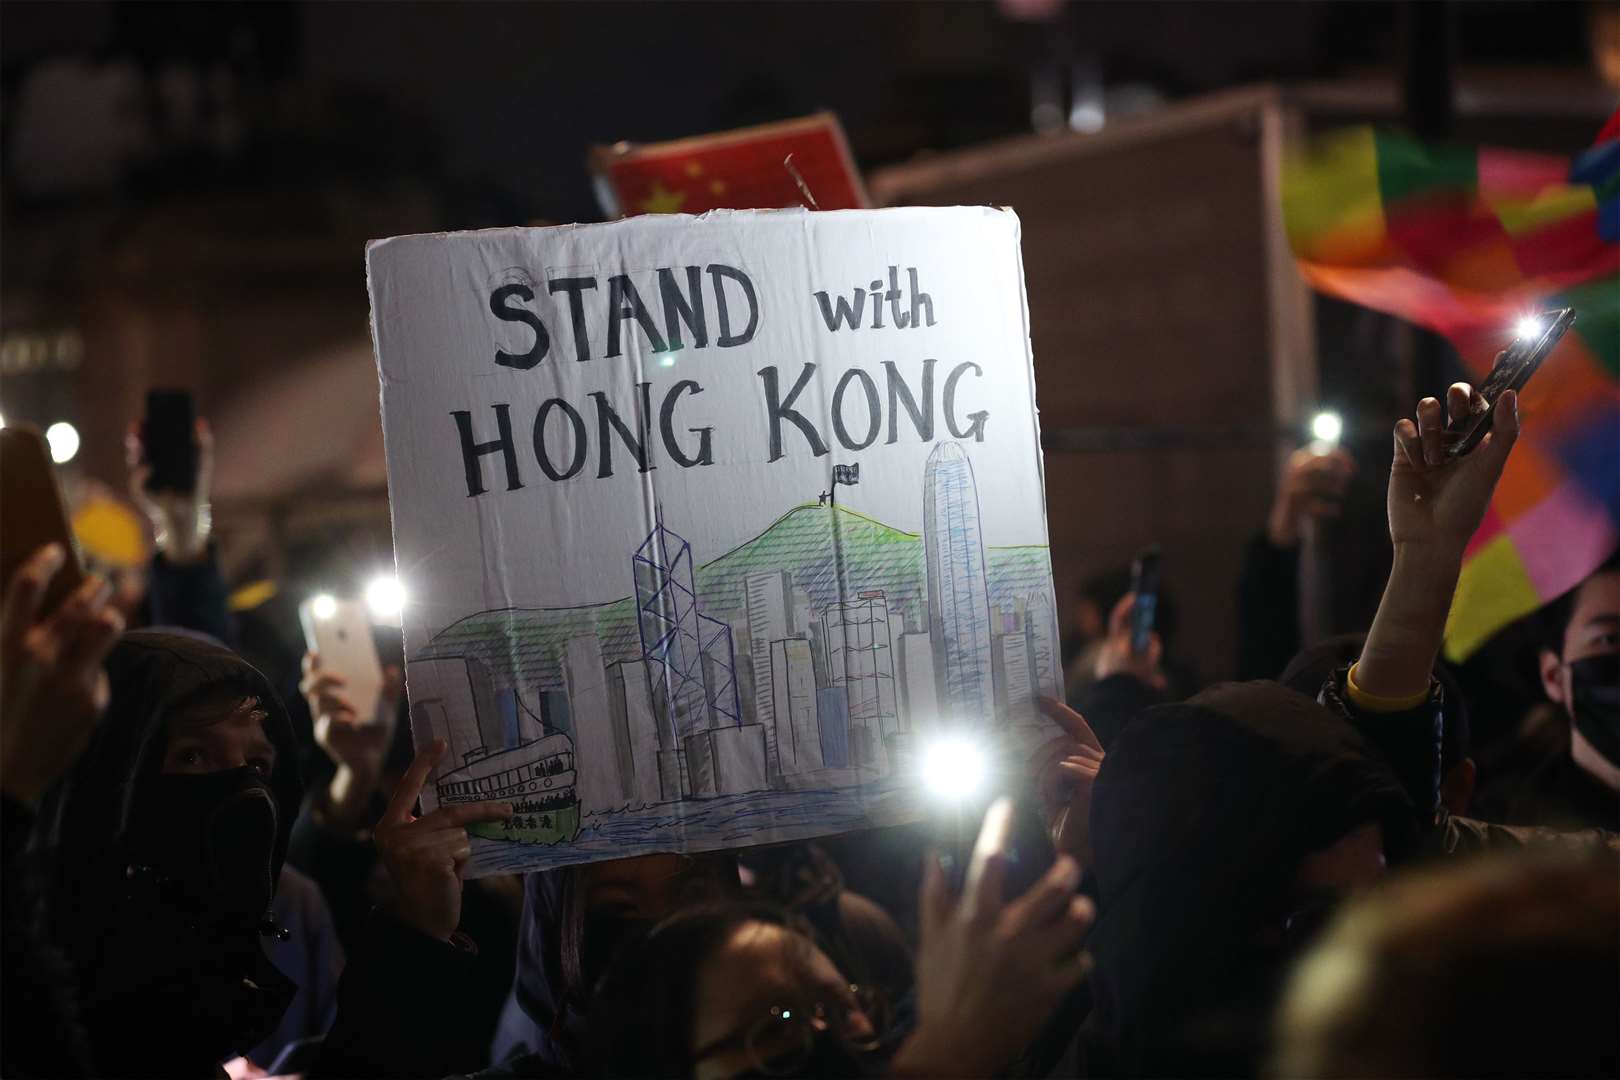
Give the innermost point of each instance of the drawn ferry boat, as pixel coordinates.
(537, 778)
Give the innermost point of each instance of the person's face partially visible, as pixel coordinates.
(647, 887)
(219, 735)
(765, 967)
(1593, 630)
(1325, 877)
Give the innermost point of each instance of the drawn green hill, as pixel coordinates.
(819, 546)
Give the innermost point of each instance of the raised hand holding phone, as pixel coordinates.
(1436, 503)
(52, 686)
(1119, 655)
(1514, 365)
(33, 515)
(170, 456)
(1438, 498)
(1145, 588)
(338, 634)
(990, 968)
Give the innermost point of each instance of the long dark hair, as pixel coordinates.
(646, 1006)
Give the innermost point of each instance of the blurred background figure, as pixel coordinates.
(1495, 968)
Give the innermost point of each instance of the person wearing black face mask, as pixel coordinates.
(163, 844)
(1565, 771)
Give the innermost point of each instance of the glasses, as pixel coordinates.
(783, 1040)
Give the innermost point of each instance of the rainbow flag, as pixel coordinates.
(1465, 241)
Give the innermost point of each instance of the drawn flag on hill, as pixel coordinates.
(1466, 241)
(731, 170)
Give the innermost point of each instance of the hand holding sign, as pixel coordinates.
(1065, 769)
(426, 856)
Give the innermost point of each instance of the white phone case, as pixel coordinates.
(344, 644)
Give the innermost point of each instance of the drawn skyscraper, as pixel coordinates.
(860, 658)
(770, 605)
(631, 707)
(1041, 623)
(916, 676)
(691, 665)
(798, 734)
(602, 741)
(1014, 687)
(444, 700)
(958, 591)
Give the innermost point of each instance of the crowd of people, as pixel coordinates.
(216, 866)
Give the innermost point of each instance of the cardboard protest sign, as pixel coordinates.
(732, 169)
(710, 524)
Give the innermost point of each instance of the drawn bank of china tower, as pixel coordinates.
(809, 658)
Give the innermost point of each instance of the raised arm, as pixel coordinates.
(1436, 504)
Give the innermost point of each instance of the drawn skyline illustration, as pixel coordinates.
(782, 685)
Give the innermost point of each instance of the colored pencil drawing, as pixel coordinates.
(775, 691)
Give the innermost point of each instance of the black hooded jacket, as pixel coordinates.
(160, 993)
(1201, 815)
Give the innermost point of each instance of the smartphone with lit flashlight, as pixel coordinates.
(33, 513)
(1513, 368)
(1012, 831)
(1145, 584)
(338, 632)
(169, 441)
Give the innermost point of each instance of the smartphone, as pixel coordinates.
(1513, 368)
(169, 441)
(33, 512)
(1145, 584)
(1012, 831)
(339, 633)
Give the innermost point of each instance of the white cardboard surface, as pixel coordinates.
(643, 610)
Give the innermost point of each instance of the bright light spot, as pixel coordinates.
(385, 596)
(667, 360)
(787, 1014)
(1087, 117)
(1326, 426)
(323, 606)
(1528, 327)
(64, 440)
(953, 767)
(2, 421)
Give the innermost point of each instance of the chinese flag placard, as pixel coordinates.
(735, 170)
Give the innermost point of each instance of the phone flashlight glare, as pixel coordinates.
(953, 767)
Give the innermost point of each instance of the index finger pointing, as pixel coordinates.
(458, 814)
(410, 785)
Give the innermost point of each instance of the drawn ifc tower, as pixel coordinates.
(958, 590)
(704, 748)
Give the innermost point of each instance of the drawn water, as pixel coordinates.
(706, 825)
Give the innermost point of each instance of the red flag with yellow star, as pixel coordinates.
(736, 170)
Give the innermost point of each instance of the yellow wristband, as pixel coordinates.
(1373, 703)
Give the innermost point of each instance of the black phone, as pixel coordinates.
(169, 441)
(1145, 584)
(1513, 368)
